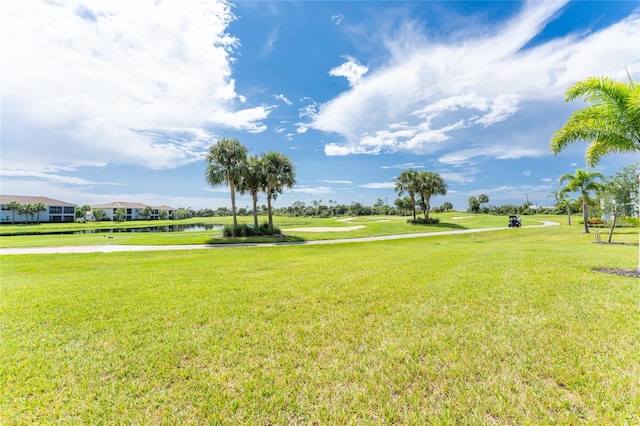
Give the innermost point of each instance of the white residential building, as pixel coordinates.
(132, 210)
(56, 211)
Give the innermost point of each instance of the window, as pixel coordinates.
(69, 210)
(55, 209)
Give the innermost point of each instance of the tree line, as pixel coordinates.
(26, 209)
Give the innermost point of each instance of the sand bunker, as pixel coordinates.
(462, 217)
(325, 229)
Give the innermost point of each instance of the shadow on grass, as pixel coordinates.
(443, 225)
(256, 240)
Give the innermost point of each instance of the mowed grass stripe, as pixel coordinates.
(502, 327)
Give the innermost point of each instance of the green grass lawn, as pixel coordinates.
(373, 226)
(506, 327)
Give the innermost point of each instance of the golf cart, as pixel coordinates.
(514, 222)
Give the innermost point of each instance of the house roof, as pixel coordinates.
(128, 205)
(5, 199)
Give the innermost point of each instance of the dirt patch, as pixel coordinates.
(634, 273)
(325, 229)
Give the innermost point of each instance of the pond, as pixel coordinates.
(192, 227)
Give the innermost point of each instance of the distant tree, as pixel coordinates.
(446, 206)
(620, 194)
(253, 181)
(120, 214)
(38, 208)
(428, 185)
(407, 181)
(26, 210)
(583, 182)
(298, 208)
(280, 174)
(98, 215)
(356, 209)
(482, 199)
(474, 205)
(146, 213)
(226, 163)
(162, 214)
(611, 123)
(85, 209)
(14, 206)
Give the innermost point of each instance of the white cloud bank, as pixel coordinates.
(430, 91)
(94, 82)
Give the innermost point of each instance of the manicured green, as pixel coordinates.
(373, 225)
(504, 327)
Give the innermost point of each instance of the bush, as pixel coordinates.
(245, 230)
(423, 221)
(633, 221)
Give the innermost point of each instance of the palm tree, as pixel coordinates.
(483, 199)
(407, 181)
(611, 124)
(14, 206)
(280, 174)
(26, 210)
(226, 162)
(582, 182)
(86, 208)
(253, 181)
(429, 184)
(38, 208)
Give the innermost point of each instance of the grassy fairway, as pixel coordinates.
(507, 327)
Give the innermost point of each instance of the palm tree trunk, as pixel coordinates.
(255, 210)
(613, 225)
(585, 215)
(269, 211)
(413, 206)
(232, 184)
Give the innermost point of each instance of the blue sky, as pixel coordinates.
(119, 100)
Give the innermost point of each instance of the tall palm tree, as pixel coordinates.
(611, 123)
(226, 162)
(407, 181)
(583, 182)
(280, 174)
(429, 184)
(85, 209)
(38, 208)
(253, 181)
(14, 206)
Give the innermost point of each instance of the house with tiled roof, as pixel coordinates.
(56, 210)
(133, 211)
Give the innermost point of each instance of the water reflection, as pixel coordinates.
(192, 227)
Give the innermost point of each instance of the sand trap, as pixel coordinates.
(346, 219)
(326, 229)
(462, 217)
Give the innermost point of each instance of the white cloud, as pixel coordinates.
(495, 151)
(345, 182)
(352, 70)
(337, 18)
(311, 190)
(283, 98)
(526, 173)
(437, 88)
(379, 185)
(131, 83)
(404, 166)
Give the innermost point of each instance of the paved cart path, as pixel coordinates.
(120, 248)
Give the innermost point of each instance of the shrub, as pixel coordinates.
(423, 221)
(245, 230)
